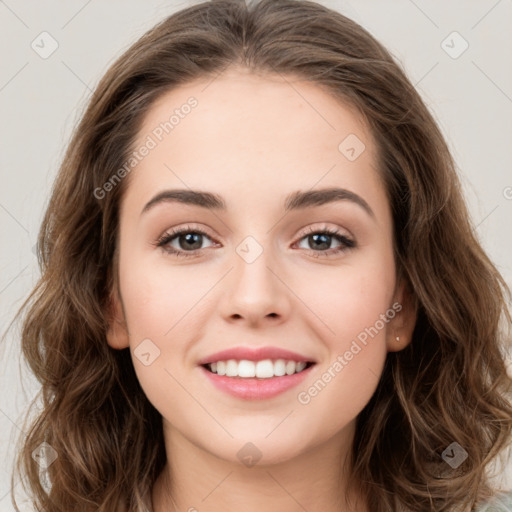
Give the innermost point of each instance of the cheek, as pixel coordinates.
(365, 296)
(158, 304)
(160, 299)
(164, 308)
(351, 297)
(357, 310)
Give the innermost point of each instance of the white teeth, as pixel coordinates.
(280, 368)
(265, 369)
(221, 367)
(231, 368)
(245, 369)
(301, 366)
(290, 367)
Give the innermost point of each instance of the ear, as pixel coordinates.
(403, 323)
(117, 332)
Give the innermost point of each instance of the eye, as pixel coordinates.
(319, 241)
(188, 239)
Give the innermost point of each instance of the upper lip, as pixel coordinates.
(254, 354)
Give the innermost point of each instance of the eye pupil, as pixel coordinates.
(189, 237)
(321, 237)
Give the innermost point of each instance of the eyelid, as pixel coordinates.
(172, 232)
(325, 227)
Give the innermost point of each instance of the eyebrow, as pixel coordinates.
(295, 201)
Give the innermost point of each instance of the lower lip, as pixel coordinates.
(253, 388)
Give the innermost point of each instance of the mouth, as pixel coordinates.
(259, 370)
(260, 380)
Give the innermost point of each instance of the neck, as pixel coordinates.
(195, 479)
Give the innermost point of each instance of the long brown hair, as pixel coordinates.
(449, 385)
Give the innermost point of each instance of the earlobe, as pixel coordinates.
(402, 326)
(117, 331)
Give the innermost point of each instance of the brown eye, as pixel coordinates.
(183, 242)
(189, 241)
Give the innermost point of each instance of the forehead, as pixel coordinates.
(272, 131)
(238, 103)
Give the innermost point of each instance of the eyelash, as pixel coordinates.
(346, 243)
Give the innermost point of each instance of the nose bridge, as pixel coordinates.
(255, 291)
(252, 268)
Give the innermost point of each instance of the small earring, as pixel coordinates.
(397, 338)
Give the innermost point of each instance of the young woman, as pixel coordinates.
(260, 286)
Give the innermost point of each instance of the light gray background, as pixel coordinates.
(41, 100)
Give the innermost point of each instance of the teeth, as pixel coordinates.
(265, 369)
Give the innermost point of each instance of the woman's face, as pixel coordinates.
(262, 275)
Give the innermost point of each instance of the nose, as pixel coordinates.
(255, 291)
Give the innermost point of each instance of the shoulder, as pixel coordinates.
(502, 502)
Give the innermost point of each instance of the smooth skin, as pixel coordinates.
(255, 139)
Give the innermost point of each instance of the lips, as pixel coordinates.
(255, 354)
(255, 389)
